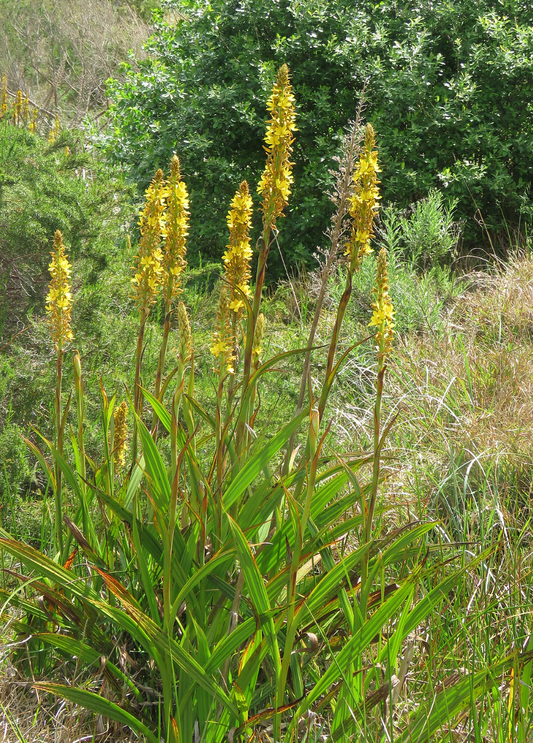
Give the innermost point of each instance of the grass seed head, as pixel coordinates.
(59, 297)
(185, 332)
(258, 339)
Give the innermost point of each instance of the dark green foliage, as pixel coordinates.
(45, 187)
(449, 91)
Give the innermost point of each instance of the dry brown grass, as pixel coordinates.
(29, 716)
(467, 395)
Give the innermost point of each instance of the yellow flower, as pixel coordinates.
(32, 126)
(59, 297)
(17, 108)
(274, 185)
(363, 203)
(120, 435)
(238, 253)
(148, 273)
(3, 98)
(175, 230)
(55, 130)
(383, 315)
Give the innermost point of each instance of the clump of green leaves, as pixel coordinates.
(233, 584)
(425, 236)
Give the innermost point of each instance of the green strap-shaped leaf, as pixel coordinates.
(198, 576)
(330, 584)
(155, 468)
(86, 654)
(227, 646)
(47, 568)
(439, 711)
(143, 628)
(255, 588)
(357, 644)
(100, 706)
(426, 604)
(159, 409)
(260, 461)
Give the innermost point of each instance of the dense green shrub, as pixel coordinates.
(449, 90)
(45, 187)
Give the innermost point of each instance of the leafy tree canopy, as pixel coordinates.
(449, 91)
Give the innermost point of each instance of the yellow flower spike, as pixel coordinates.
(276, 181)
(32, 126)
(238, 255)
(17, 108)
(25, 110)
(55, 130)
(363, 203)
(223, 341)
(120, 435)
(176, 229)
(59, 298)
(3, 97)
(383, 315)
(149, 271)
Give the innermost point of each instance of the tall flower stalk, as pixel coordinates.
(80, 406)
(274, 187)
(175, 231)
(148, 273)
(234, 293)
(3, 97)
(383, 320)
(336, 234)
(237, 259)
(363, 209)
(58, 308)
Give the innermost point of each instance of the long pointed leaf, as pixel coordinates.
(96, 703)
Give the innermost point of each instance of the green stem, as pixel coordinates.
(371, 503)
(80, 405)
(161, 364)
(292, 623)
(341, 311)
(59, 446)
(250, 333)
(137, 395)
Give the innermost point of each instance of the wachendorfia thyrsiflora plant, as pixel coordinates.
(217, 577)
